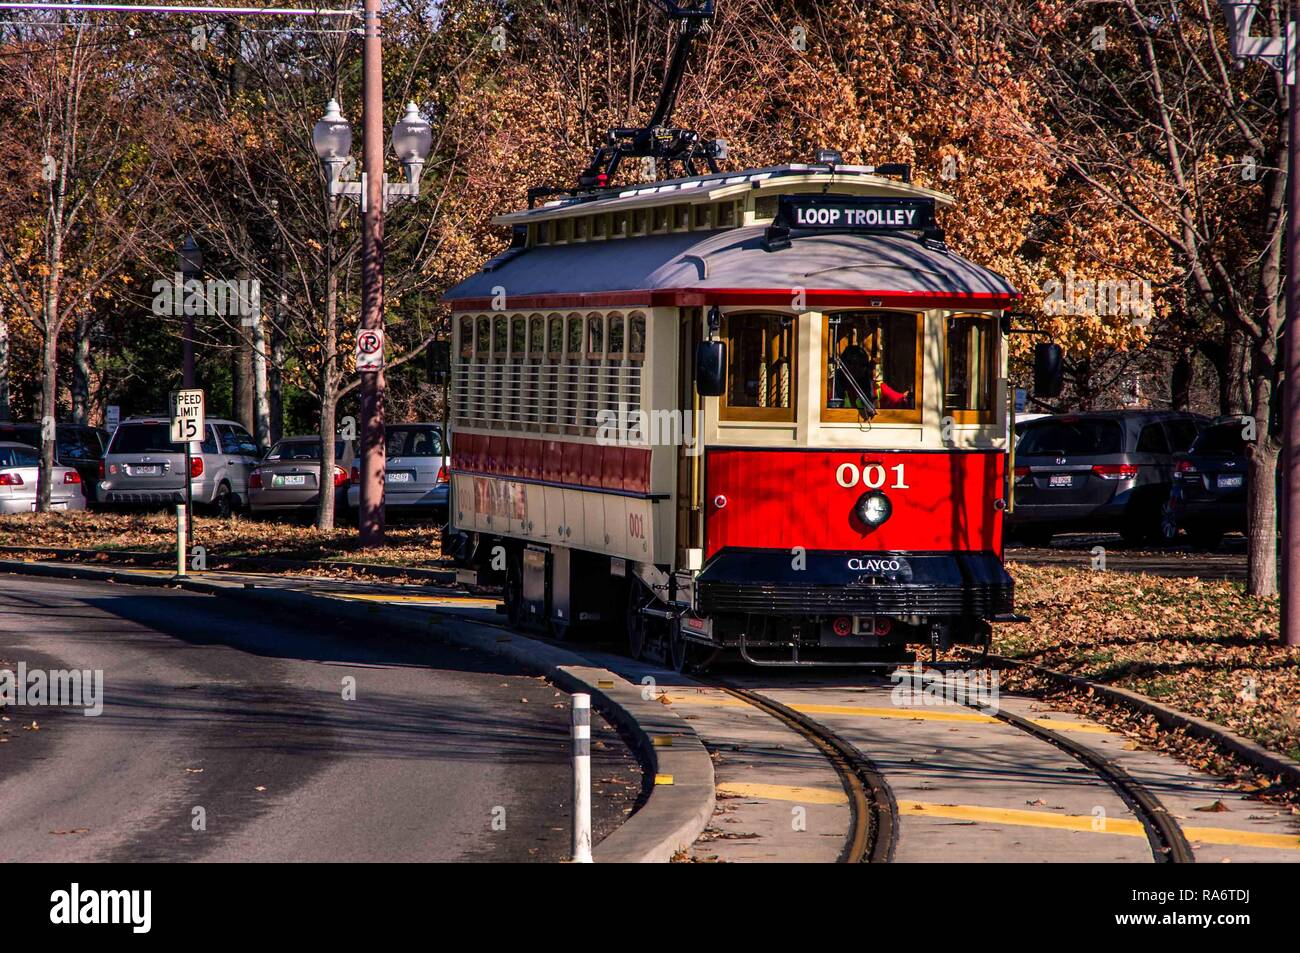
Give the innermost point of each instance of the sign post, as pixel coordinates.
(188, 424)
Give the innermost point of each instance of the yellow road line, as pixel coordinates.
(1020, 818)
(1223, 835)
(908, 714)
(783, 792)
(471, 601)
(1083, 823)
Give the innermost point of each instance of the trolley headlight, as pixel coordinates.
(873, 508)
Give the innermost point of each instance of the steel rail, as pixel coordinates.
(873, 830)
(1168, 842)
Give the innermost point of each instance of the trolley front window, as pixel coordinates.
(968, 369)
(760, 367)
(872, 359)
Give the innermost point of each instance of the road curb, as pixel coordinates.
(679, 770)
(1243, 748)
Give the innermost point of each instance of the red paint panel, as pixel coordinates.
(699, 297)
(496, 455)
(636, 470)
(572, 463)
(532, 463)
(590, 469)
(476, 453)
(611, 468)
(779, 499)
(553, 461)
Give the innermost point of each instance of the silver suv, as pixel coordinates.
(143, 467)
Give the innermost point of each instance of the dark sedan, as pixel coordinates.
(1210, 481)
(287, 479)
(1099, 472)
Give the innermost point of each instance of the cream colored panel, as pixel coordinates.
(615, 537)
(553, 529)
(593, 530)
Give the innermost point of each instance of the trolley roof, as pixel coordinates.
(712, 187)
(732, 267)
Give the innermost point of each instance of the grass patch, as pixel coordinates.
(1202, 646)
(410, 546)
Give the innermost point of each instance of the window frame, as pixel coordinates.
(784, 415)
(991, 362)
(884, 415)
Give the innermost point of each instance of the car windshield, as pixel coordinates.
(144, 438)
(1072, 438)
(1225, 440)
(18, 457)
(302, 450)
(413, 442)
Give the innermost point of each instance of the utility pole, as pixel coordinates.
(1291, 368)
(370, 519)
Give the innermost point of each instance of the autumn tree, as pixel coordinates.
(82, 179)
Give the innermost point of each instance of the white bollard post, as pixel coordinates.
(180, 540)
(582, 779)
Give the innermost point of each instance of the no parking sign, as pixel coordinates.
(370, 349)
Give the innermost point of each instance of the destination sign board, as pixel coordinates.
(854, 213)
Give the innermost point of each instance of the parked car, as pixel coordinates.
(1210, 483)
(1104, 471)
(20, 467)
(144, 467)
(287, 480)
(75, 445)
(417, 470)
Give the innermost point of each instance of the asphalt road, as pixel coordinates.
(239, 718)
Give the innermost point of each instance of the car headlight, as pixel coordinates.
(873, 508)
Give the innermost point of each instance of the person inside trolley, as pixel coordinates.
(862, 384)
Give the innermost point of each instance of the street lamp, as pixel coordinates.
(411, 141)
(1280, 54)
(189, 262)
(331, 137)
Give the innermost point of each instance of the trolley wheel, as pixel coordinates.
(689, 657)
(679, 651)
(512, 592)
(638, 625)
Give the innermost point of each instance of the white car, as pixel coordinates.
(20, 467)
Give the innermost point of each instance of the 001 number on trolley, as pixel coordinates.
(872, 476)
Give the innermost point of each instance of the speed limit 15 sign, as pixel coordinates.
(188, 417)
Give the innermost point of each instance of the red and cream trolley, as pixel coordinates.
(839, 498)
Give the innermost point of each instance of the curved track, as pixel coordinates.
(874, 829)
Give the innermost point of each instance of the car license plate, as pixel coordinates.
(1061, 479)
(293, 479)
(1227, 482)
(145, 471)
(399, 478)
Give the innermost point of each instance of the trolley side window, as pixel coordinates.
(760, 367)
(969, 357)
(871, 359)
